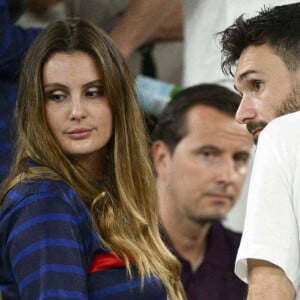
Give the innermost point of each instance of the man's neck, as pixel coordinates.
(189, 239)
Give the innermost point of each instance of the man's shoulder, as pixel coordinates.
(222, 247)
(284, 124)
(281, 133)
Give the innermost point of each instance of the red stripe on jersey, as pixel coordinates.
(106, 261)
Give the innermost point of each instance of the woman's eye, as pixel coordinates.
(92, 94)
(95, 92)
(57, 97)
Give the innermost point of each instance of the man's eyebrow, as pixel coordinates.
(243, 75)
(210, 147)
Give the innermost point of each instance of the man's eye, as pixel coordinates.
(242, 158)
(209, 154)
(257, 85)
(206, 153)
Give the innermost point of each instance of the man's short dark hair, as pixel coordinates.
(171, 126)
(279, 27)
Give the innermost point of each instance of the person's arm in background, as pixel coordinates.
(40, 7)
(267, 281)
(14, 41)
(146, 21)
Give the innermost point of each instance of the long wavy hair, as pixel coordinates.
(124, 207)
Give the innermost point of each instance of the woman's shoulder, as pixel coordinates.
(42, 194)
(40, 186)
(37, 187)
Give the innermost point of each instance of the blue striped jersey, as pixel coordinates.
(50, 249)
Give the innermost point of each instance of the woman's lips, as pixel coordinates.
(80, 133)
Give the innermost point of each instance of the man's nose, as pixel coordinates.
(227, 171)
(246, 111)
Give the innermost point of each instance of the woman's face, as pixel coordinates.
(78, 114)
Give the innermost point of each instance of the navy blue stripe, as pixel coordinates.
(44, 186)
(28, 200)
(50, 268)
(4, 168)
(69, 194)
(91, 239)
(7, 38)
(5, 146)
(46, 243)
(47, 218)
(13, 196)
(3, 124)
(115, 289)
(62, 294)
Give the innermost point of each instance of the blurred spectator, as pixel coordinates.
(151, 41)
(14, 41)
(200, 155)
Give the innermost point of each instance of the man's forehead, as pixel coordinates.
(256, 57)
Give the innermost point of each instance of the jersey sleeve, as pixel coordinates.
(46, 245)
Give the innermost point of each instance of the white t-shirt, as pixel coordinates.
(271, 230)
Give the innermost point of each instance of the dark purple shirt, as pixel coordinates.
(215, 278)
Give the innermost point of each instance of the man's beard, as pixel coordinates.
(290, 105)
(256, 124)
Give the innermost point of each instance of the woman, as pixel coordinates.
(79, 213)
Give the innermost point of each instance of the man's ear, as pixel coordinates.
(160, 156)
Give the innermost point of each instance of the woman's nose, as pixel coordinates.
(78, 110)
